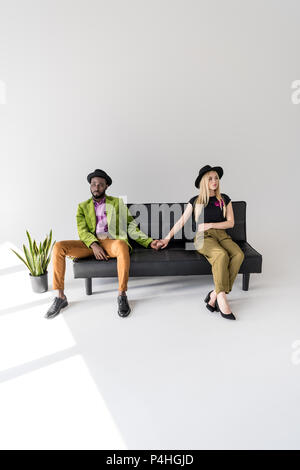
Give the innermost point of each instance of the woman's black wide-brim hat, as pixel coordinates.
(100, 174)
(205, 169)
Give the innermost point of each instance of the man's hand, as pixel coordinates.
(155, 244)
(163, 243)
(203, 227)
(98, 251)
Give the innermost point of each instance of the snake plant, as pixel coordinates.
(37, 257)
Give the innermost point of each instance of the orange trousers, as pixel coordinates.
(77, 249)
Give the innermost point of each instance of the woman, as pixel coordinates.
(211, 239)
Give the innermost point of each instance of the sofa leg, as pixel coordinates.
(246, 278)
(88, 286)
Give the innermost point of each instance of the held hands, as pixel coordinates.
(155, 244)
(99, 252)
(159, 244)
(164, 243)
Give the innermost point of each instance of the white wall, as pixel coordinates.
(150, 91)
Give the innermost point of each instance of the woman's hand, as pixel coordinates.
(155, 244)
(163, 243)
(203, 227)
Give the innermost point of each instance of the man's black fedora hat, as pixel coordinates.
(100, 174)
(207, 168)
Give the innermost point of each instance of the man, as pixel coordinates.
(103, 223)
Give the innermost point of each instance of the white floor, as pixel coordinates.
(172, 375)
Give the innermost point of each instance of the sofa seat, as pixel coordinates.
(171, 261)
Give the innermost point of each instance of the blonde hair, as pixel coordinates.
(203, 197)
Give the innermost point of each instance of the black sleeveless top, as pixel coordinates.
(212, 212)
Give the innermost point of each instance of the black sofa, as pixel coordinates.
(175, 260)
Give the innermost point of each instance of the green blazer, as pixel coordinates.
(120, 222)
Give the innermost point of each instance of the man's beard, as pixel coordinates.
(98, 195)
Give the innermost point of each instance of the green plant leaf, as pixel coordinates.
(45, 243)
(22, 259)
(35, 247)
(43, 260)
(29, 260)
(49, 242)
(45, 250)
(30, 242)
(40, 270)
(43, 263)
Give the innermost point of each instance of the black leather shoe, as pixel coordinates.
(56, 307)
(206, 300)
(229, 316)
(123, 306)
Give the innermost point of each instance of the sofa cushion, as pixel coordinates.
(171, 261)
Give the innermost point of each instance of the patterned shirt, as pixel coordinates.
(101, 220)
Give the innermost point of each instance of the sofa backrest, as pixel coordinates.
(156, 219)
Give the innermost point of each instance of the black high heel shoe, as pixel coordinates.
(229, 316)
(206, 300)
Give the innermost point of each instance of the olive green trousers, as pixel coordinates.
(224, 255)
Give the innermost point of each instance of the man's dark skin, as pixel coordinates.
(98, 187)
